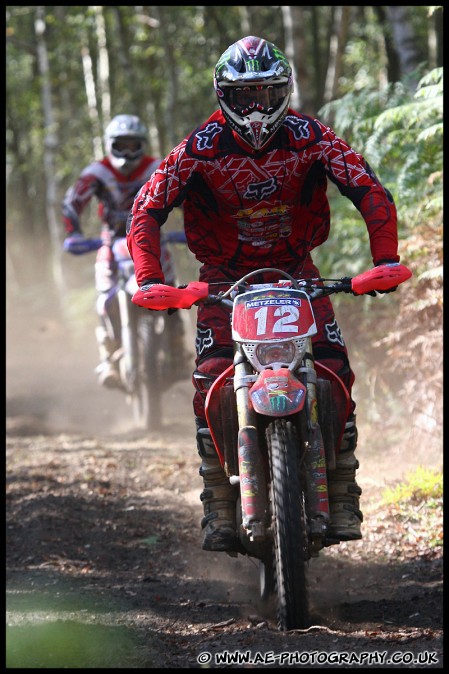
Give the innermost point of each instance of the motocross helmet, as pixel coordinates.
(253, 82)
(125, 139)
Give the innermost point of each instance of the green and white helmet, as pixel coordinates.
(125, 139)
(253, 82)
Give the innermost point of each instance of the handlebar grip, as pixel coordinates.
(79, 246)
(160, 296)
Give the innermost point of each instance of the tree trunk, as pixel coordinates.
(393, 66)
(406, 43)
(172, 90)
(436, 32)
(155, 114)
(50, 145)
(91, 94)
(319, 59)
(290, 53)
(139, 106)
(336, 49)
(103, 66)
(294, 20)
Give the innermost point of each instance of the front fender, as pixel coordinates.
(277, 393)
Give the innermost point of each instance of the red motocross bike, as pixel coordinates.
(277, 417)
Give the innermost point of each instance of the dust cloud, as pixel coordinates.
(51, 350)
(51, 386)
(51, 389)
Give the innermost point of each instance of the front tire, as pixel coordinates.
(150, 331)
(290, 549)
(266, 578)
(141, 365)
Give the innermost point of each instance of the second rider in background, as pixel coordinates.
(114, 181)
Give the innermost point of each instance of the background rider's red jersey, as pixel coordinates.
(245, 209)
(115, 193)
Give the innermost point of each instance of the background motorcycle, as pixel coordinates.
(143, 357)
(277, 418)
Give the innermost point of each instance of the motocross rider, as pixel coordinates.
(114, 181)
(253, 181)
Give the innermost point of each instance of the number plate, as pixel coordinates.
(272, 314)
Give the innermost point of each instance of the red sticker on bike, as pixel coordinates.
(274, 314)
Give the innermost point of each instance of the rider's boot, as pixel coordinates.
(344, 493)
(107, 370)
(218, 498)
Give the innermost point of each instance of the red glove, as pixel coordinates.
(384, 277)
(159, 296)
(380, 264)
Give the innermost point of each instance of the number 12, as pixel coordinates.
(289, 316)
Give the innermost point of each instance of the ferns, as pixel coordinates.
(401, 136)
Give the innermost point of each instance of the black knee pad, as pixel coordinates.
(204, 442)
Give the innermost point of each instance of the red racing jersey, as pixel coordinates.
(114, 191)
(245, 209)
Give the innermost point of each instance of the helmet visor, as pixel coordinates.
(264, 98)
(127, 148)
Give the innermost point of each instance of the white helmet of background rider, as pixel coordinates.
(125, 139)
(253, 82)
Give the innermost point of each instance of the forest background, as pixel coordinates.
(375, 74)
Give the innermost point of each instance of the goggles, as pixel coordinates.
(265, 98)
(127, 148)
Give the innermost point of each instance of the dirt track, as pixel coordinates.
(104, 562)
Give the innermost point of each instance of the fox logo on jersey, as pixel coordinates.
(262, 190)
(300, 127)
(205, 137)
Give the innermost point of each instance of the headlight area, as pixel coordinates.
(278, 355)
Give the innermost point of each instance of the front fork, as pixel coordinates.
(252, 478)
(253, 483)
(314, 456)
(128, 364)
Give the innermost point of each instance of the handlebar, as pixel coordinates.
(78, 245)
(160, 297)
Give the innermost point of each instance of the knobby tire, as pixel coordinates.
(150, 372)
(141, 371)
(289, 525)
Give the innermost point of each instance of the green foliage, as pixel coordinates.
(161, 61)
(66, 644)
(417, 505)
(354, 117)
(410, 138)
(422, 484)
(401, 136)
